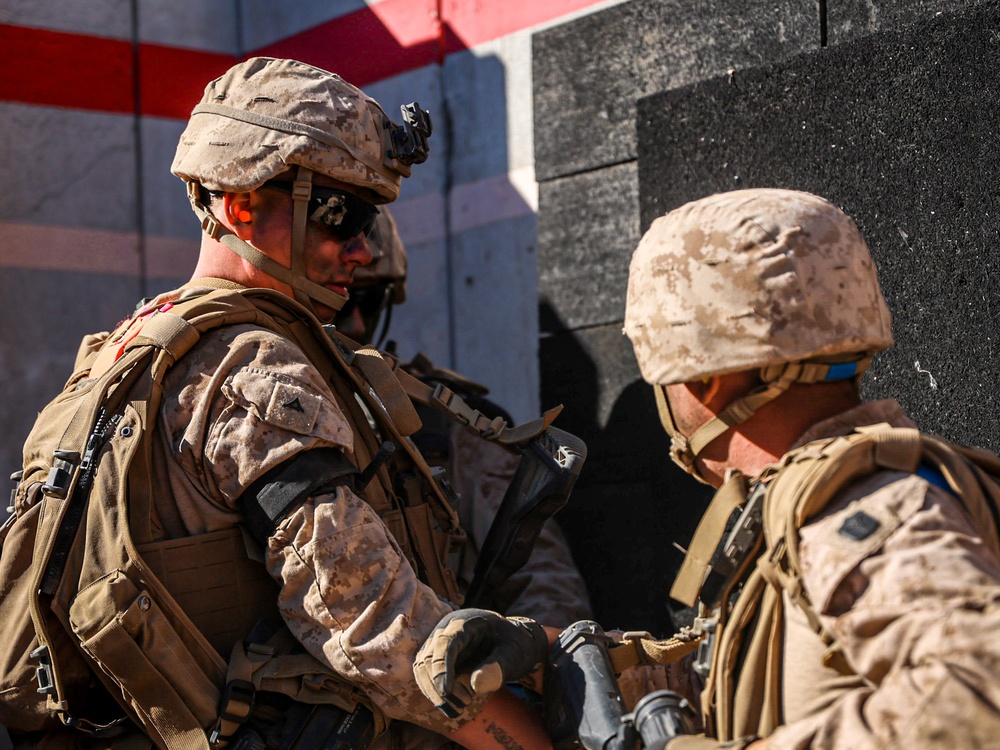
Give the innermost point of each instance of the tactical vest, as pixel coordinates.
(91, 608)
(742, 695)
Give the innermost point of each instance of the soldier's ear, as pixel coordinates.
(238, 210)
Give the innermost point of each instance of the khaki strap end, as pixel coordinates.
(640, 648)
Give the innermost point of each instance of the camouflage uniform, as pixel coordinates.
(781, 283)
(915, 609)
(348, 592)
(245, 399)
(552, 590)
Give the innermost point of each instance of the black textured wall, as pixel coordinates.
(900, 130)
(886, 108)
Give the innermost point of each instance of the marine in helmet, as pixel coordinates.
(549, 587)
(264, 425)
(847, 571)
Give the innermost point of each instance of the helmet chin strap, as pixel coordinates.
(303, 290)
(777, 379)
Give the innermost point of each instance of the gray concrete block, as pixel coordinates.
(475, 96)
(265, 22)
(850, 19)
(67, 167)
(588, 226)
(189, 23)
(899, 130)
(494, 314)
(420, 324)
(106, 18)
(167, 211)
(589, 73)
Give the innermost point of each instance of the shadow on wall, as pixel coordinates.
(631, 504)
(909, 153)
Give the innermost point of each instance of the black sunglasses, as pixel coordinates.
(343, 214)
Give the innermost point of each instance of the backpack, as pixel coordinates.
(91, 634)
(77, 605)
(742, 695)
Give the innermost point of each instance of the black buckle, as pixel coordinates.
(235, 692)
(60, 477)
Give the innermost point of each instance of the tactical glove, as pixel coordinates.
(474, 652)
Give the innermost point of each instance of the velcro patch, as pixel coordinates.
(832, 546)
(293, 408)
(859, 526)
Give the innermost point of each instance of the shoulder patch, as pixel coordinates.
(859, 526)
(289, 405)
(855, 528)
(293, 407)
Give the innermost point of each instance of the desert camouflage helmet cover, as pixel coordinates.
(265, 115)
(389, 262)
(751, 278)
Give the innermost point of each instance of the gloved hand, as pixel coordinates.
(474, 652)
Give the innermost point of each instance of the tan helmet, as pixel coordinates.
(266, 115)
(377, 287)
(775, 280)
(389, 263)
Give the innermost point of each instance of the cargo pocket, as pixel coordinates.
(123, 629)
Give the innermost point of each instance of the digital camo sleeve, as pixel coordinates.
(910, 591)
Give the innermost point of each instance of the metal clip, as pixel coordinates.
(64, 465)
(703, 661)
(237, 693)
(43, 673)
(440, 477)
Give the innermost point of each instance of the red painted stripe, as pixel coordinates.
(394, 36)
(173, 80)
(470, 23)
(65, 70)
(369, 44)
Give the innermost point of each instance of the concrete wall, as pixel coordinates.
(887, 108)
(95, 95)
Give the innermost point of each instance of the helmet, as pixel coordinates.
(775, 280)
(266, 115)
(377, 286)
(389, 262)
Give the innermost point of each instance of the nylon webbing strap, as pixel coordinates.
(736, 413)
(636, 649)
(169, 332)
(443, 399)
(495, 430)
(386, 386)
(708, 535)
(301, 191)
